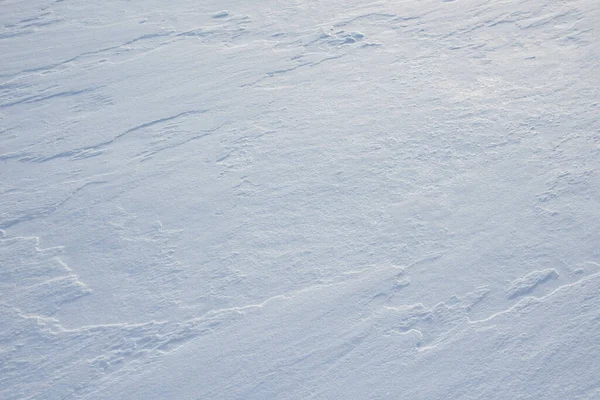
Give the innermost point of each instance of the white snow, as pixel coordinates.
(299, 200)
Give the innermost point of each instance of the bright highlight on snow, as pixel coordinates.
(299, 200)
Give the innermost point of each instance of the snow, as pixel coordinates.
(299, 200)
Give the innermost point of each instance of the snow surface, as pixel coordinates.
(299, 199)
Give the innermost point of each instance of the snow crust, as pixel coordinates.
(299, 200)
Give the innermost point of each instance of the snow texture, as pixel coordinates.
(299, 200)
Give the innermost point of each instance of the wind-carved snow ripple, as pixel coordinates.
(28, 26)
(34, 283)
(316, 48)
(97, 149)
(35, 280)
(433, 326)
(430, 326)
(526, 284)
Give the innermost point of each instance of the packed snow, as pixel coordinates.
(300, 199)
